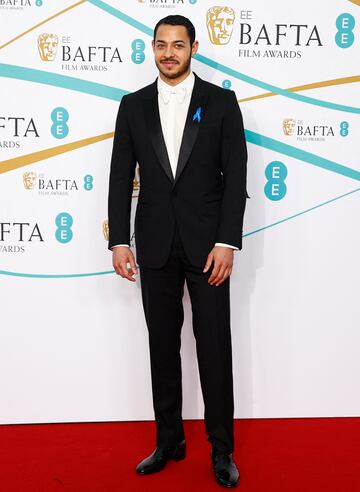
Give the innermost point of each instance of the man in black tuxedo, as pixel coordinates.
(187, 136)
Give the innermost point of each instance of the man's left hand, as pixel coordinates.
(222, 257)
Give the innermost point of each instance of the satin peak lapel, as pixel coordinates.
(197, 108)
(152, 117)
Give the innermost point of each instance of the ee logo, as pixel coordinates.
(275, 188)
(59, 117)
(64, 222)
(138, 55)
(226, 84)
(88, 182)
(344, 128)
(345, 24)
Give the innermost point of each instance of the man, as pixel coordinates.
(187, 136)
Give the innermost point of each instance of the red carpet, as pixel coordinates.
(280, 455)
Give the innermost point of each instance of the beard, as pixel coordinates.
(175, 73)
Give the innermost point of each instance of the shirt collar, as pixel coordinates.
(188, 83)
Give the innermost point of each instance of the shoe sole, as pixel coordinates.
(224, 484)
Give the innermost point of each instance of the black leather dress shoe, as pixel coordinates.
(158, 458)
(225, 470)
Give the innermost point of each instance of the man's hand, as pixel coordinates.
(222, 257)
(121, 256)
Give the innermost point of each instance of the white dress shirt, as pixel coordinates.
(174, 104)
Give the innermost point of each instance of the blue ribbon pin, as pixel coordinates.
(197, 114)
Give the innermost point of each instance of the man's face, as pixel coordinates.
(172, 50)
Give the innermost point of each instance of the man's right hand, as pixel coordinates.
(121, 256)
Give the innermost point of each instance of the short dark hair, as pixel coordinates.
(177, 20)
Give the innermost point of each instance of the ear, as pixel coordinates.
(194, 48)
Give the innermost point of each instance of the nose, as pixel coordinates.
(169, 51)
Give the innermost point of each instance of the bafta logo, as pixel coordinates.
(136, 182)
(220, 21)
(47, 45)
(105, 228)
(289, 126)
(29, 180)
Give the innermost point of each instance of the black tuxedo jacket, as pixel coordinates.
(206, 198)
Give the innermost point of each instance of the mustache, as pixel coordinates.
(169, 60)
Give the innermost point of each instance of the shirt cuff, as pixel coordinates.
(119, 245)
(226, 245)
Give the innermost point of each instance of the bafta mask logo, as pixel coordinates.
(220, 21)
(105, 228)
(136, 182)
(29, 180)
(47, 45)
(289, 126)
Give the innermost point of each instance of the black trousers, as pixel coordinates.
(162, 293)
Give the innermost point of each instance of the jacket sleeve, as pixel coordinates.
(122, 172)
(234, 171)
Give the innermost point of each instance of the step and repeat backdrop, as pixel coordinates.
(73, 339)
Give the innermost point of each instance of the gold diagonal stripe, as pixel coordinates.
(43, 22)
(25, 160)
(356, 2)
(314, 85)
